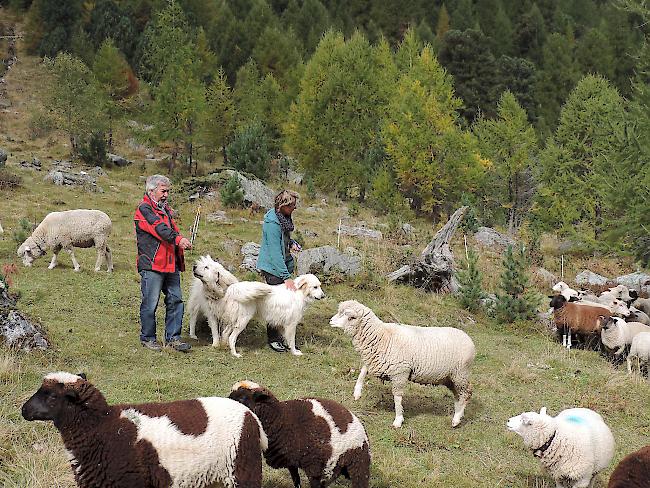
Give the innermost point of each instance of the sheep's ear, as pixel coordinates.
(551, 296)
(72, 395)
(260, 396)
(82, 376)
(542, 411)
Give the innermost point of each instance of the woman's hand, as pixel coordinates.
(290, 284)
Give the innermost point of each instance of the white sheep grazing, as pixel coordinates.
(640, 350)
(66, 230)
(573, 446)
(617, 334)
(565, 290)
(402, 353)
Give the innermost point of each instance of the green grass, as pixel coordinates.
(92, 322)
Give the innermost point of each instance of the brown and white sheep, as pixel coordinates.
(581, 319)
(181, 444)
(633, 471)
(321, 437)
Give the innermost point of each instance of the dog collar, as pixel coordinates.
(539, 452)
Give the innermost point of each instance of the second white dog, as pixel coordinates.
(230, 305)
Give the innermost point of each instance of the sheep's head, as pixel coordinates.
(58, 393)
(310, 286)
(350, 316)
(606, 323)
(557, 301)
(530, 426)
(620, 308)
(251, 394)
(29, 251)
(560, 286)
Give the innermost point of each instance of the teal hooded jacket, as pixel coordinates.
(274, 257)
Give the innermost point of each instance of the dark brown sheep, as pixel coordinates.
(633, 471)
(321, 437)
(577, 318)
(138, 446)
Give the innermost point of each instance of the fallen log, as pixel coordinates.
(433, 270)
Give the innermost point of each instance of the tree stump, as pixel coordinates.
(434, 269)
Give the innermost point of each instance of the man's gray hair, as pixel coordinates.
(154, 181)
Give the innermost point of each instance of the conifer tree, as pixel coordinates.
(443, 24)
(577, 161)
(249, 151)
(515, 301)
(510, 143)
(219, 116)
(231, 192)
(471, 284)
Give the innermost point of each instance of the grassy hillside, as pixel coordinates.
(92, 322)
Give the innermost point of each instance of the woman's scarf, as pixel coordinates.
(285, 222)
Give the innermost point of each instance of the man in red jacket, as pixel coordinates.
(160, 261)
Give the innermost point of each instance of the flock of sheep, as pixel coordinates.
(223, 439)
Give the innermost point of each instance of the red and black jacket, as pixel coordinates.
(158, 237)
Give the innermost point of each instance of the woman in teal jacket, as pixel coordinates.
(275, 260)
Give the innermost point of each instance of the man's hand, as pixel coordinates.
(184, 243)
(290, 284)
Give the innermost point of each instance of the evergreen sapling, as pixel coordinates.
(471, 280)
(516, 301)
(232, 194)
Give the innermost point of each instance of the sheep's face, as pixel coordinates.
(620, 308)
(349, 316)
(607, 323)
(29, 251)
(557, 302)
(310, 286)
(560, 287)
(208, 271)
(525, 425)
(250, 394)
(57, 394)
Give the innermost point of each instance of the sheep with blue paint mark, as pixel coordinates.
(573, 446)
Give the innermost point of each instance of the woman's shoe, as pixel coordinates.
(277, 346)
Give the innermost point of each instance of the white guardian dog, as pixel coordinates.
(229, 304)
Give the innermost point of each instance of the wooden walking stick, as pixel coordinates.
(195, 225)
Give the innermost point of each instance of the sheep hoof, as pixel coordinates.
(77, 270)
(398, 422)
(236, 354)
(193, 336)
(455, 423)
(296, 352)
(356, 395)
(51, 266)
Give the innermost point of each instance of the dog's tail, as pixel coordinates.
(248, 291)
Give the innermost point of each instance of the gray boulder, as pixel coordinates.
(255, 191)
(488, 237)
(3, 157)
(119, 160)
(362, 232)
(326, 259)
(34, 164)
(250, 251)
(218, 216)
(294, 177)
(587, 277)
(68, 178)
(19, 332)
(636, 281)
(546, 276)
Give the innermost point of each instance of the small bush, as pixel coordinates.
(353, 209)
(470, 221)
(22, 231)
(40, 124)
(94, 151)
(232, 194)
(516, 301)
(249, 151)
(9, 181)
(471, 284)
(310, 188)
